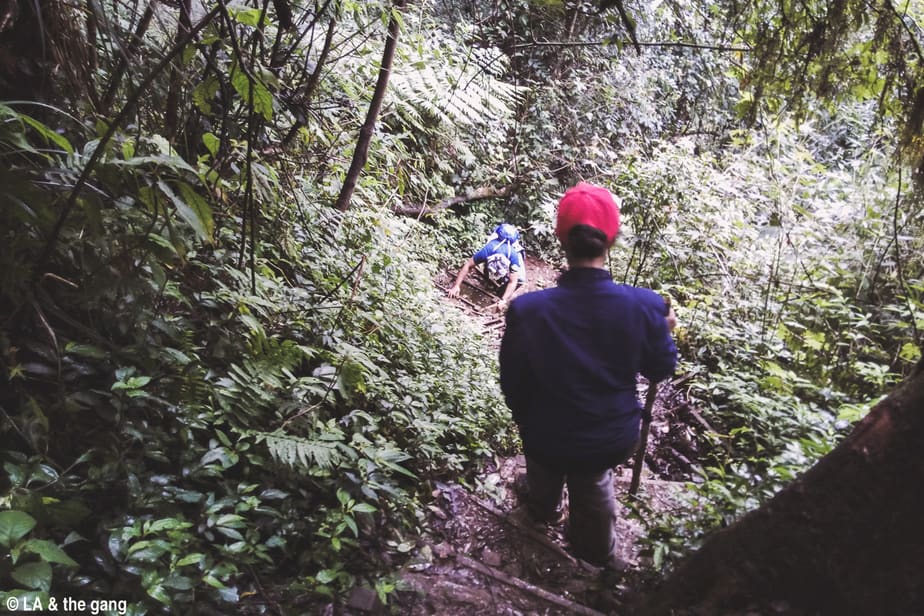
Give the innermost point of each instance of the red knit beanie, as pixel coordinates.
(588, 205)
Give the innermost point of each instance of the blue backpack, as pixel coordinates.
(497, 266)
(507, 233)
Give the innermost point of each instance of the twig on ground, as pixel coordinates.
(702, 421)
(573, 607)
(269, 600)
(531, 532)
(478, 288)
(471, 305)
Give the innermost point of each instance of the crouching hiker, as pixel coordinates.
(502, 258)
(568, 363)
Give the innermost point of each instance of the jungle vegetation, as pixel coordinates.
(224, 362)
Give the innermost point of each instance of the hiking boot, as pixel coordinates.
(521, 489)
(611, 563)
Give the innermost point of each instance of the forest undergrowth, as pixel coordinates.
(187, 424)
(220, 391)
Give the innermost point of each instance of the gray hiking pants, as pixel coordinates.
(592, 511)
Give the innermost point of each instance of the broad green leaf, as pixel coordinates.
(237, 547)
(191, 559)
(134, 382)
(178, 582)
(192, 209)
(86, 350)
(35, 575)
(160, 240)
(262, 99)
(67, 513)
(230, 533)
(910, 352)
(48, 134)
(212, 581)
(352, 524)
(148, 551)
(170, 161)
(205, 93)
(248, 17)
(14, 525)
(814, 340)
(158, 592)
(49, 552)
(212, 143)
(326, 576)
(231, 520)
(166, 524)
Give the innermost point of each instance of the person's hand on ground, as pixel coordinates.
(453, 291)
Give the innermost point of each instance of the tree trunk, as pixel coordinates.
(845, 538)
(44, 55)
(171, 119)
(130, 51)
(312, 83)
(361, 153)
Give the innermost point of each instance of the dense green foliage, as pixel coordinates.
(219, 390)
(230, 424)
(796, 315)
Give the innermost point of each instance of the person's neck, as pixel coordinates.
(597, 262)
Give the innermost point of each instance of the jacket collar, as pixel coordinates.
(584, 275)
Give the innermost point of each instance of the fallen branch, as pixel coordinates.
(702, 421)
(477, 194)
(571, 606)
(683, 379)
(540, 538)
(471, 305)
(479, 288)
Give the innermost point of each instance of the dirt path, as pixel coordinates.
(489, 558)
(484, 556)
(479, 300)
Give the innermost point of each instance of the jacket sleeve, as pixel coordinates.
(482, 255)
(514, 367)
(660, 353)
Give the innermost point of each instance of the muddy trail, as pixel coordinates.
(485, 556)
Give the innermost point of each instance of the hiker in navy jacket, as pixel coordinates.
(568, 364)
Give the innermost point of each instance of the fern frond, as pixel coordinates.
(467, 96)
(298, 452)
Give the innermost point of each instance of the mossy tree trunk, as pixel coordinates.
(845, 538)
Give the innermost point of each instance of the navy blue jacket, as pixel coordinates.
(568, 364)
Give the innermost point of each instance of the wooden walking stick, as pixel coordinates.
(643, 437)
(646, 418)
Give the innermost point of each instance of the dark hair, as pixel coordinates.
(586, 242)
